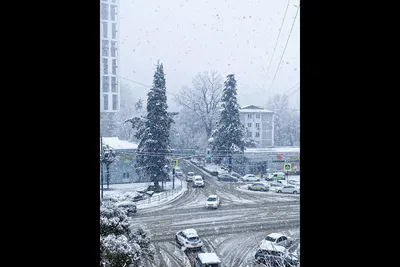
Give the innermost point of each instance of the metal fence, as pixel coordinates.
(160, 196)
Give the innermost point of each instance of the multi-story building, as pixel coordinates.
(259, 123)
(109, 86)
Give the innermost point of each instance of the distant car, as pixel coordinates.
(287, 189)
(275, 184)
(275, 256)
(189, 239)
(227, 178)
(138, 197)
(198, 181)
(128, 207)
(294, 182)
(279, 239)
(213, 201)
(236, 175)
(190, 177)
(250, 178)
(277, 176)
(258, 187)
(178, 172)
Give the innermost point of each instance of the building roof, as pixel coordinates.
(116, 143)
(252, 108)
(208, 258)
(283, 149)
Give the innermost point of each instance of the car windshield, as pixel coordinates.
(212, 199)
(268, 238)
(198, 179)
(193, 239)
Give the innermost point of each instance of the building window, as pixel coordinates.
(105, 28)
(114, 30)
(104, 11)
(113, 48)
(106, 84)
(257, 134)
(105, 47)
(249, 124)
(105, 65)
(113, 12)
(257, 125)
(249, 116)
(248, 134)
(114, 66)
(258, 116)
(114, 102)
(123, 176)
(114, 85)
(127, 175)
(105, 101)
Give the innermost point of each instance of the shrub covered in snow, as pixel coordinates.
(113, 220)
(116, 251)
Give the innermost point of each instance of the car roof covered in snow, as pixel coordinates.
(198, 176)
(266, 245)
(212, 196)
(275, 235)
(208, 258)
(190, 232)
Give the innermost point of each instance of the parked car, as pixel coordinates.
(198, 181)
(276, 176)
(250, 178)
(128, 207)
(138, 197)
(275, 184)
(294, 182)
(258, 187)
(190, 177)
(279, 239)
(227, 178)
(189, 239)
(275, 256)
(236, 175)
(207, 260)
(287, 189)
(213, 201)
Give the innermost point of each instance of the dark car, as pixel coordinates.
(227, 178)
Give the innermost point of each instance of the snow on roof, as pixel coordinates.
(273, 150)
(252, 108)
(208, 258)
(116, 143)
(270, 246)
(212, 196)
(190, 232)
(275, 235)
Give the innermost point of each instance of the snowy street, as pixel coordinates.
(233, 231)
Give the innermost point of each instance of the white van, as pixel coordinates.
(207, 260)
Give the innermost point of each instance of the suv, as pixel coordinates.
(198, 181)
(213, 201)
(189, 239)
(274, 255)
(279, 239)
(190, 177)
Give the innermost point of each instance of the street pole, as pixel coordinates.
(173, 177)
(101, 165)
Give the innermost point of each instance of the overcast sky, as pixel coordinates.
(228, 36)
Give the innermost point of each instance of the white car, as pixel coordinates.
(190, 177)
(178, 172)
(213, 201)
(198, 181)
(294, 182)
(287, 189)
(189, 239)
(250, 178)
(279, 239)
(277, 176)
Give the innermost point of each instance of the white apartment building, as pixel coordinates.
(260, 124)
(109, 59)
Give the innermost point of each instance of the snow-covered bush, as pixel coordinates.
(141, 236)
(113, 220)
(117, 251)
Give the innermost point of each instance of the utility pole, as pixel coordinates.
(101, 164)
(173, 177)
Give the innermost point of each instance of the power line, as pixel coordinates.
(276, 43)
(287, 41)
(291, 88)
(150, 87)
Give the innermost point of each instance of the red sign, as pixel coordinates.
(279, 156)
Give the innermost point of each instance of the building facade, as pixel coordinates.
(259, 123)
(109, 62)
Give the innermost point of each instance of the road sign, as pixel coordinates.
(287, 166)
(174, 163)
(208, 154)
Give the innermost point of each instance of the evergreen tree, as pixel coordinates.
(153, 147)
(228, 137)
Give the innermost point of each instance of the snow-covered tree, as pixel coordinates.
(117, 251)
(153, 131)
(228, 136)
(113, 220)
(287, 121)
(203, 99)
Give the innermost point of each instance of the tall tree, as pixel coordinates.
(228, 137)
(153, 133)
(203, 98)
